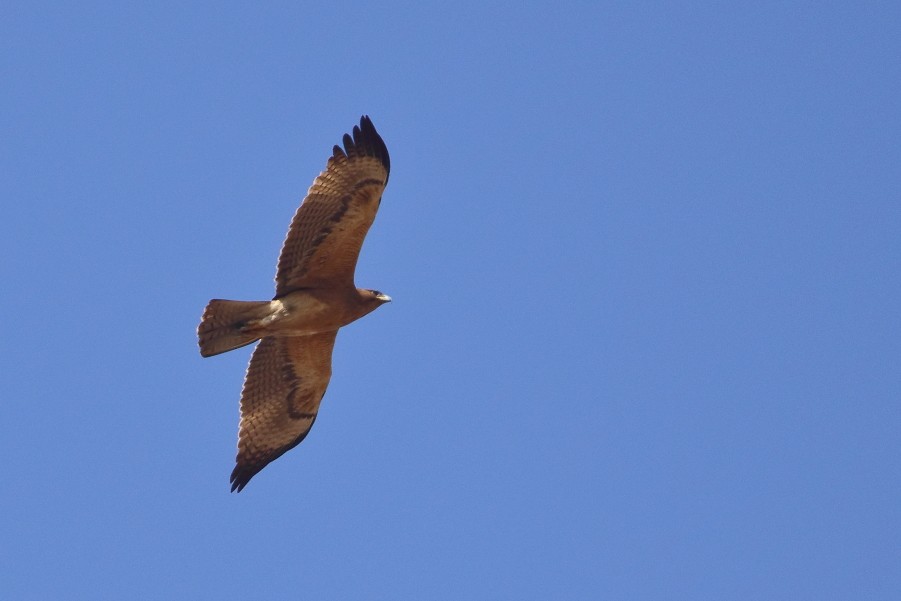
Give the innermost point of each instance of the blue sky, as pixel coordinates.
(645, 338)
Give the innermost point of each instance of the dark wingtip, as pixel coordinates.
(367, 142)
(242, 474)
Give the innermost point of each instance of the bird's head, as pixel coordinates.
(374, 297)
(380, 296)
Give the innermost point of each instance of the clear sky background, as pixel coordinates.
(645, 340)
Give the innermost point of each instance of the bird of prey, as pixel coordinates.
(315, 295)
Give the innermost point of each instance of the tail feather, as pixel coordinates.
(228, 324)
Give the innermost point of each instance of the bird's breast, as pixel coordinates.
(304, 312)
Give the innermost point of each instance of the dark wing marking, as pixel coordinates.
(285, 381)
(327, 231)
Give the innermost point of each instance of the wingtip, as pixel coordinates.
(365, 141)
(241, 475)
(238, 486)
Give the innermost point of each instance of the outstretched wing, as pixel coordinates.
(285, 381)
(327, 231)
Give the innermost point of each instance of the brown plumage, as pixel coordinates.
(315, 295)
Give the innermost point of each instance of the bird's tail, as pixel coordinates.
(228, 324)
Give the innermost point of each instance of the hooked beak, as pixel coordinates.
(384, 298)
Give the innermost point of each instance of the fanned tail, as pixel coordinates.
(228, 324)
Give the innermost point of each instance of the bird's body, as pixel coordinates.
(298, 313)
(315, 296)
(320, 310)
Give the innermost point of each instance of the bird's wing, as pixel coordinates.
(285, 381)
(327, 231)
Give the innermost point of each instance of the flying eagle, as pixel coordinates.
(315, 295)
